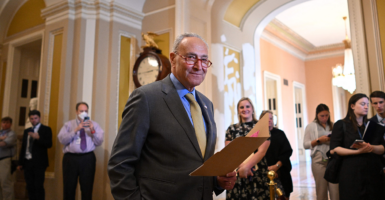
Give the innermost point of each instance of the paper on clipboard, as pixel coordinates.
(237, 151)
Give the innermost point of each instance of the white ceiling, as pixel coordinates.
(318, 21)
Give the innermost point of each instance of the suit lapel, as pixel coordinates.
(176, 107)
(209, 134)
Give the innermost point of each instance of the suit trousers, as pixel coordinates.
(6, 180)
(322, 186)
(34, 175)
(82, 167)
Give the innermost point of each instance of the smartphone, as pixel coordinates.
(330, 135)
(357, 142)
(86, 118)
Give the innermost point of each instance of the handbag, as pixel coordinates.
(332, 171)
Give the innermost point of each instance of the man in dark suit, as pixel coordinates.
(377, 99)
(34, 157)
(167, 131)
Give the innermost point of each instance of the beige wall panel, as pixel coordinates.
(3, 69)
(54, 97)
(381, 23)
(319, 84)
(112, 93)
(65, 112)
(100, 107)
(287, 66)
(153, 5)
(159, 22)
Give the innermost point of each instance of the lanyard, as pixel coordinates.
(359, 132)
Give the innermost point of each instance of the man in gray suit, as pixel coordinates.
(159, 142)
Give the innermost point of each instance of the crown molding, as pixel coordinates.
(93, 10)
(316, 53)
(325, 54)
(283, 31)
(282, 44)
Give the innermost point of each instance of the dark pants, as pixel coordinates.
(34, 177)
(82, 167)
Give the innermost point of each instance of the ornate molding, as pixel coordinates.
(48, 81)
(377, 46)
(359, 46)
(96, 10)
(282, 44)
(279, 28)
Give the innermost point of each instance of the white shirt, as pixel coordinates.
(28, 155)
(312, 132)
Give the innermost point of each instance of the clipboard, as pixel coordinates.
(236, 152)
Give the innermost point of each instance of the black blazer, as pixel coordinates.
(39, 148)
(374, 118)
(280, 150)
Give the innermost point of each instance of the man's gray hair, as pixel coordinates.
(185, 35)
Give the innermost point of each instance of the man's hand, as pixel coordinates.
(20, 167)
(89, 124)
(227, 182)
(80, 126)
(35, 136)
(3, 137)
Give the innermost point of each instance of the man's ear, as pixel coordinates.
(172, 57)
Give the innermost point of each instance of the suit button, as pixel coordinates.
(200, 189)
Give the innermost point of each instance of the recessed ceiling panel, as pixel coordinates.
(318, 21)
(237, 10)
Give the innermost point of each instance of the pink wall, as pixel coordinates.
(278, 61)
(319, 84)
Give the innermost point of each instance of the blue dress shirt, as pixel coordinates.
(182, 91)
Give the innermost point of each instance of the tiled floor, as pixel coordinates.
(303, 182)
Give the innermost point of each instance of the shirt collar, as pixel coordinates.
(379, 118)
(182, 91)
(38, 125)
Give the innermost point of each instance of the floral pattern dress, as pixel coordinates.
(256, 187)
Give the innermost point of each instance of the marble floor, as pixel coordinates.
(303, 182)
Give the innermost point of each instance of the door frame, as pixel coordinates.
(12, 74)
(277, 78)
(304, 111)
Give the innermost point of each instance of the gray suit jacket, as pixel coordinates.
(156, 147)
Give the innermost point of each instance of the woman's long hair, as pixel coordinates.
(322, 107)
(350, 116)
(239, 116)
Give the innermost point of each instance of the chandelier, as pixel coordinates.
(343, 76)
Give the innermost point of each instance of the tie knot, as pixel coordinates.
(190, 97)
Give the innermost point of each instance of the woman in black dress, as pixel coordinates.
(360, 175)
(278, 157)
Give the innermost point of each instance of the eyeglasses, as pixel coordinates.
(192, 59)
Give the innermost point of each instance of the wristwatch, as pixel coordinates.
(319, 142)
